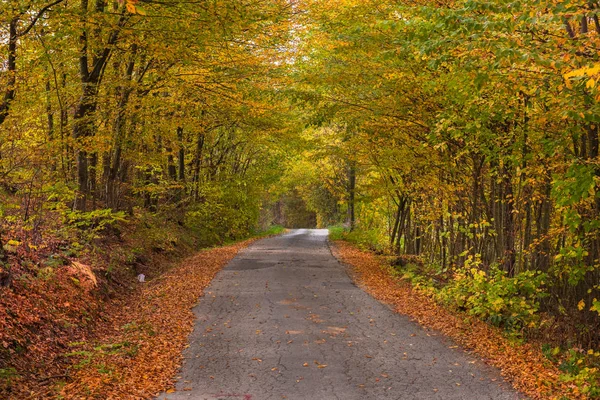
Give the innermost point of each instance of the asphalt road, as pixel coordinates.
(284, 321)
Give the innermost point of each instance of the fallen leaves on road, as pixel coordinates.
(522, 364)
(141, 343)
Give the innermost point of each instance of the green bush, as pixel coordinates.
(272, 230)
(337, 232)
(582, 369)
(94, 223)
(225, 214)
(512, 303)
(371, 239)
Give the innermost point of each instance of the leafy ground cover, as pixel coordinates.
(523, 364)
(138, 351)
(76, 322)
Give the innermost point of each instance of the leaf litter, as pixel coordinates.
(152, 330)
(523, 364)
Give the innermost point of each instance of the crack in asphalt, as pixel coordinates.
(284, 321)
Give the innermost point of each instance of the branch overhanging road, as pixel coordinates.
(284, 321)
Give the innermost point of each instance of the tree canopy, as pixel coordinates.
(463, 133)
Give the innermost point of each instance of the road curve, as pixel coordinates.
(284, 321)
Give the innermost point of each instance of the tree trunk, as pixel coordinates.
(124, 93)
(181, 154)
(11, 69)
(351, 194)
(508, 223)
(83, 124)
(197, 164)
(396, 222)
(82, 129)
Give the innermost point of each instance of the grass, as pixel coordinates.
(272, 230)
(337, 232)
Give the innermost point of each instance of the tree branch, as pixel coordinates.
(38, 16)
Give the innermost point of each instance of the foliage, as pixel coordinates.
(462, 131)
(337, 232)
(272, 230)
(128, 132)
(450, 132)
(523, 363)
(368, 239)
(582, 369)
(94, 223)
(224, 214)
(510, 302)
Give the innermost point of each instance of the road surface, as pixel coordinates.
(284, 321)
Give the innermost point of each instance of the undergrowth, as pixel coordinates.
(487, 293)
(62, 275)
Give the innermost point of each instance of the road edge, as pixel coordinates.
(522, 365)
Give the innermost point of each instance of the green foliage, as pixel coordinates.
(365, 239)
(94, 223)
(270, 231)
(226, 213)
(576, 185)
(83, 357)
(372, 239)
(152, 234)
(419, 280)
(512, 303)
(55, 261)
(7, 376)
(551, 353)
(46, 273)
(583, 370)
(369, 239)
(337, 232)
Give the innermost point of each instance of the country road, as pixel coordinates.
(284, 321)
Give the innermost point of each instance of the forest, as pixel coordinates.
(458, 139)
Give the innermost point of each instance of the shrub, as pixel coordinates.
(337, 232)
(95, 222)
(502, 301)
(582, 369)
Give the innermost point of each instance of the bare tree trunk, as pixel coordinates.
(83, 124)
(181, 154)
(509, 256)
(396, 222)
(82, 128)
(124, 93)
(351, 194)
(197, 164)
(11, 69)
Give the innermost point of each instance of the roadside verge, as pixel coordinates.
(139, 348)
(522, 364)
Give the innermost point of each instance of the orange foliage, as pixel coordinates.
(151, 330)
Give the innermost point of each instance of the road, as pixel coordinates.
(284, 321)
